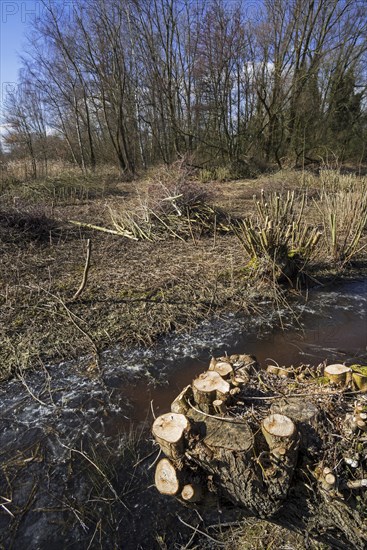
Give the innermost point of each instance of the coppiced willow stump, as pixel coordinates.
(209, 387)
(360, 381)
(338, 374)
(289, 449)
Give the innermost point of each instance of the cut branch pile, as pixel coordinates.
(176, 219)
(285, 444)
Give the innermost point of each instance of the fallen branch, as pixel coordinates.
(85, 273)
(104, 229)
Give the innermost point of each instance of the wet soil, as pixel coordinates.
(76, 452)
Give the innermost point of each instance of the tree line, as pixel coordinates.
(139, 82)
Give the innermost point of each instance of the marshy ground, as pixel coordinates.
(137, 291)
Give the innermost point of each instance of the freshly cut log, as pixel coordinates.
(234, 391)
(360, 416)
(182, 402)
(356, 484)
(238, 381)
(208, 387)
(166, 478)
(272, 369)
(192, 493)
(279, 371)
(285, 373)
(280, 433)
(169, 430)
(338, 374)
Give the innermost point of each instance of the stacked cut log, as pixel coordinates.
(225, 437)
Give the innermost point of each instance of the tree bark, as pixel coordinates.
(285, 453)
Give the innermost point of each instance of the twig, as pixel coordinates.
(245, 365)
(85, 273)
(302, 395)
(155, 460)
(98, 526)
(356, 483)
(190, 228)
(215, 231)
(103, 229)
(231, 420)
(228, 524)
(2, 505)
(81, 453)
(145, 458)
(21, 378)
(219, 543)
(151, 408)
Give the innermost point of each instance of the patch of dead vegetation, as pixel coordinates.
(136, 290)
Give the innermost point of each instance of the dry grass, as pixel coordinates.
(136, 290)
(63, 184)
(255, 534)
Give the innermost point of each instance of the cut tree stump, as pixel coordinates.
(284, 449)
(305, 414)
(224, 369)
(220, 406)
(338, 374)
(280, 433)
(208, 387)
(169, 431)
(360, 380)
(192, 493)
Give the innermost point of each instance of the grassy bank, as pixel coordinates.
(178, 253)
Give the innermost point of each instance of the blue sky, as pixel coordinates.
(16, 17)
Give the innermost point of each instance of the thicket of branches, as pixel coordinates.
(137, 82)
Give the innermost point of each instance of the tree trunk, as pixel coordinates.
(299, 462)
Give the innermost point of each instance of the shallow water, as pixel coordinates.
(331, 325)
(56, 419)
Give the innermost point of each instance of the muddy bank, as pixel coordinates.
(75, 445)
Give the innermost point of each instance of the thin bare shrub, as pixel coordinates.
(277, 238)
(343, 208)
